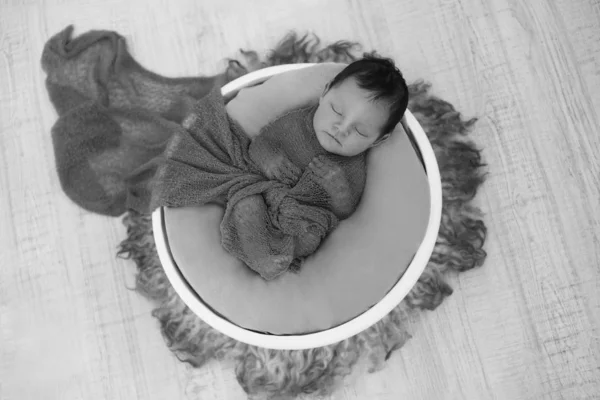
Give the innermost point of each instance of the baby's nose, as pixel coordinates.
(339, 131)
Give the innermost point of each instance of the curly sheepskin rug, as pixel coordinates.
(270, 374)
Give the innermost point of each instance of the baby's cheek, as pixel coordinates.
(321, 120)
(352, 149)
(317, 121)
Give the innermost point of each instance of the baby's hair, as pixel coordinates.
(383, 79)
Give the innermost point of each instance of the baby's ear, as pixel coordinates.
(326, 89)
(381, 140)
(324, 92)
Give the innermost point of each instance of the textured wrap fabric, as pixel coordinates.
(268, 224)
(113, 115)
(127, 138)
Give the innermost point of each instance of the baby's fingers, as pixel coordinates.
(292, 173)
(321, 161)
(318, 167)
(292, 169)
(296, 170)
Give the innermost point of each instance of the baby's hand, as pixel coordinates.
(273, 164)
(332, 178)
(330, 174)
(280, 168)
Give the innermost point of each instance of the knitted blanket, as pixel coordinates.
(113, 115)
(127, 138)
(268, 223)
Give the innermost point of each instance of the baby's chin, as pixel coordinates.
(329, 143)
(336, 152)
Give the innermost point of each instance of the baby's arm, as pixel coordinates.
(344, 193)
(272, 162)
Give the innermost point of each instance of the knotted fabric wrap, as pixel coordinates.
(267, 224)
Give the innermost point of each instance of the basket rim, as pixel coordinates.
(351, 327)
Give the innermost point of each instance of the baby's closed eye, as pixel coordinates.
(339, 112)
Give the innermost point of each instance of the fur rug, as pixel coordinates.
(269, 374)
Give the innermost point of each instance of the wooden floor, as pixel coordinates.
(525, 326)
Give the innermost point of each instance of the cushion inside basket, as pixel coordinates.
(353, 269)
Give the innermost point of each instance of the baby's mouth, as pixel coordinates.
(334, 138)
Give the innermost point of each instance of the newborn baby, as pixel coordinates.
(323, 145)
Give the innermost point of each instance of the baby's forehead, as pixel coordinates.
(349, 90)
(363, 97)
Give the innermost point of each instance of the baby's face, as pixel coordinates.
(346, 121)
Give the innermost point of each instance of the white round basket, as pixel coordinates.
(345, 330)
